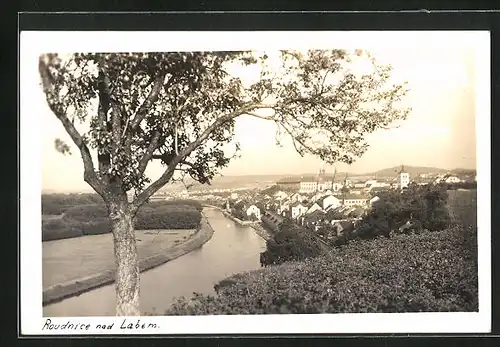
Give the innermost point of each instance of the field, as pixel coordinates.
(77, 258)
(463, 206)
(419, 272)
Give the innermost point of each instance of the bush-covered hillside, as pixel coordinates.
(415, 272)
(290, 242)
(407, 273)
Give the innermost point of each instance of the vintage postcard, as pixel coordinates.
(255, 182)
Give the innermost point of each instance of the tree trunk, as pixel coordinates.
(127, 272)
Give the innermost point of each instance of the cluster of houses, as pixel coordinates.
(313, 205)
(316, 202)
(323, 182)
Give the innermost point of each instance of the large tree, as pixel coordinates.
(180, 109)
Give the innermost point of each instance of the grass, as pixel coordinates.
(462, 205)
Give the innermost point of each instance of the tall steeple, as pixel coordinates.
(402, 169)
(321, 169)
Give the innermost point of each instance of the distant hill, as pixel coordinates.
(418, 170)
(412, 170)
(262, 181)
(228, 182)
(463, 171)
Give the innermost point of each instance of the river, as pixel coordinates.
(232, 249)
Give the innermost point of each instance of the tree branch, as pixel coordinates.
(167, 175)
(149, 101)
(143, 163)
(103, 157)
(116, 124)
(259, 116)
(57, 108)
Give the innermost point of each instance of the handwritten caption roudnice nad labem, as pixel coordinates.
(125, 324)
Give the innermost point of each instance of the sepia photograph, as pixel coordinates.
(255, 177)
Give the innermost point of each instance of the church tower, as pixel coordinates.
(404, 178)
(333, 184)
(321, 179)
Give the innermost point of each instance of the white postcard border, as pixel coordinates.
(34, 43)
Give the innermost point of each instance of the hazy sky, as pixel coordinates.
(440, 131)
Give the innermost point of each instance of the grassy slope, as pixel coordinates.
(408, 273)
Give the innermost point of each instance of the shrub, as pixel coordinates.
(253, 217)
(291, 242)
(186, 217)
(181, 202)
(58, 203)
(57, 229)
(422, 272)
(93, 219)
(85, 213)
(425, 206)
(239, 214)
(96, 227)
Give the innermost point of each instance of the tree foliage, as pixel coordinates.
(423, 206)
(426, 272)
(180, 108)
(290, 242)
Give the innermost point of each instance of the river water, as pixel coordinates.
(232, 249)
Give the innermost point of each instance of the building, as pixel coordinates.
(314, 218)
(370, 183)
(297, 210)
(374, 184)
(404, 178)
(452, 179)
(254, 210)
(297, 197)
(355, 200)
(313, 208)
(356, 212)
(240, 205)
(310, 184)
(281, 195)
(289, 183)
(323, 183)
(336, 186)
(374, 199)
(343, 227)
(329, 201)
(375, 190)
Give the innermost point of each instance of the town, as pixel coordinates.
(325, 204)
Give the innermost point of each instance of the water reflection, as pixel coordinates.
(231, 249)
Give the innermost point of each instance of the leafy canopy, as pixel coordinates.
(180, 108)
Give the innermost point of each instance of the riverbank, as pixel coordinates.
(261, 231)
(237, 220)
(70, 271)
